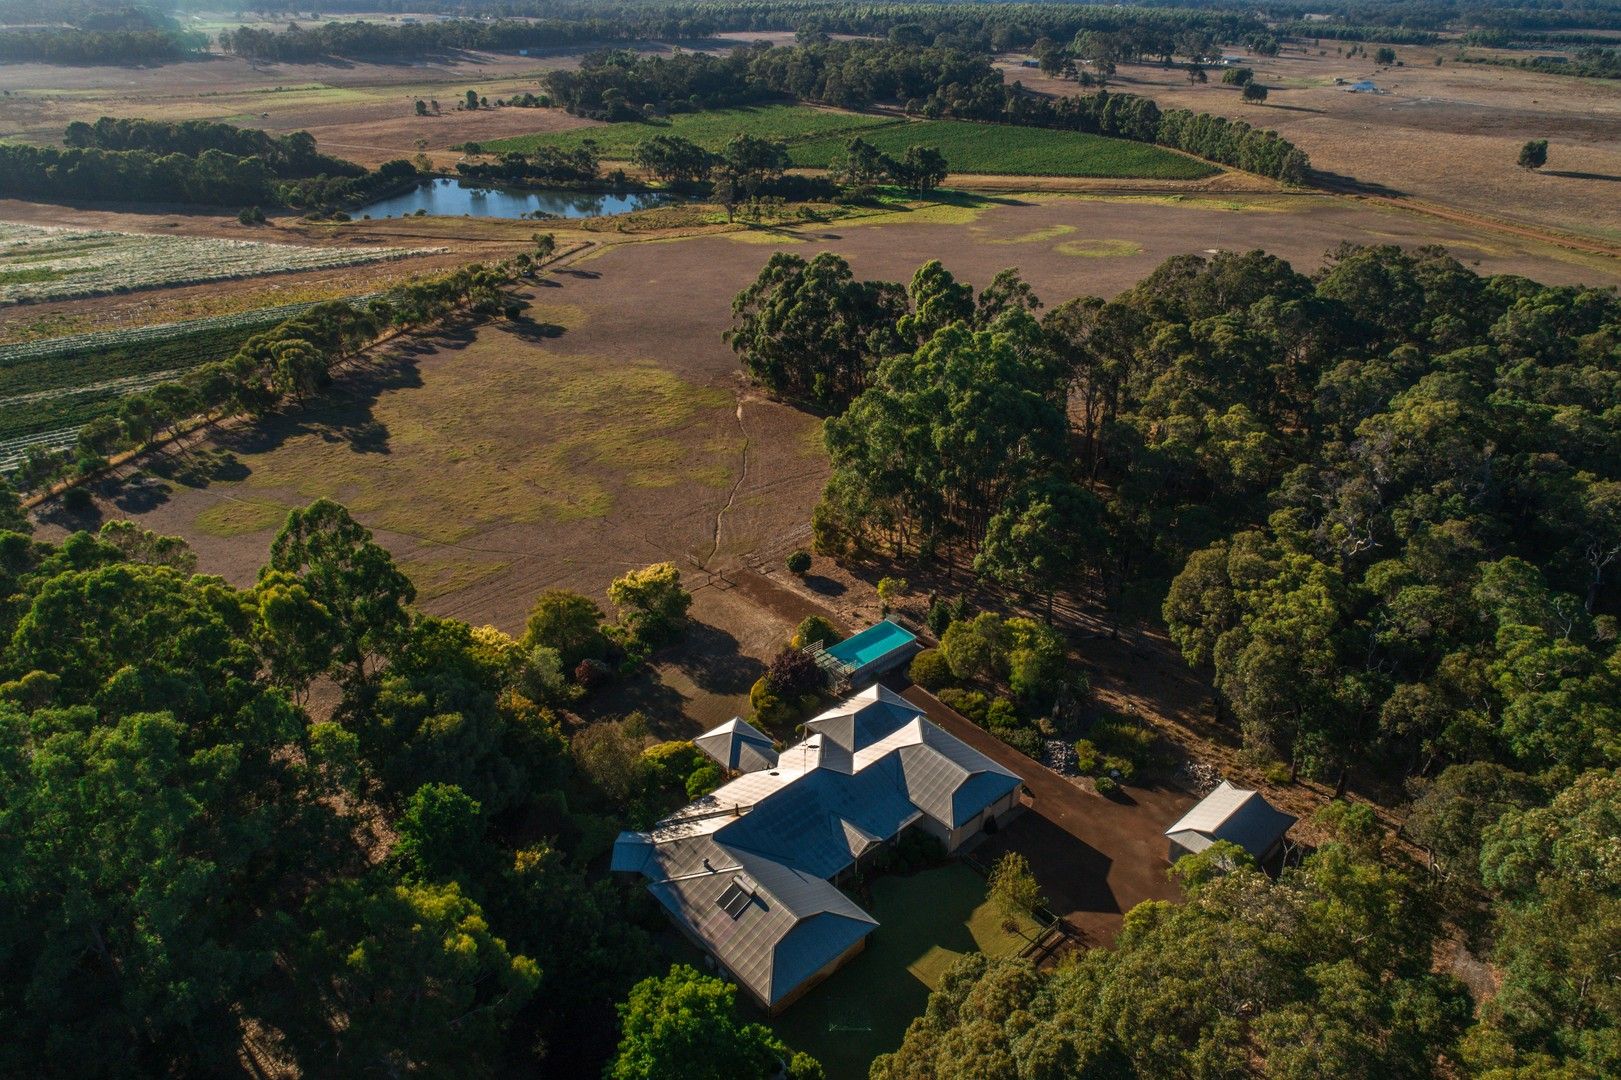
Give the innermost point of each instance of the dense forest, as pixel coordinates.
(74, 46)
(192, 161)
(198, 875)
(1323, 973)
(286, 156)
(1386, 499)
(1383, 507)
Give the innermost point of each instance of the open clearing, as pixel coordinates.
(1445, 134)
(926, 921)
(1004, 148)
(605, 433)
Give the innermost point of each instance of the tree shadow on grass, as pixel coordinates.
(525, 330)
(646, 693)
(711, 658)
(823, 585)
(140, 494)
(343, 412)
(1573, 175)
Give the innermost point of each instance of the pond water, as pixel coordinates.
(447, 197)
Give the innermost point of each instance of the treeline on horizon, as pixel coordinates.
(788, 14)
(74, 46)
(931, 82)
(195, 161)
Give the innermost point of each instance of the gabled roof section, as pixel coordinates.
(1234, 814)
(739, 746)
(863, 719)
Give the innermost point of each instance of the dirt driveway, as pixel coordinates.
(1096, 858)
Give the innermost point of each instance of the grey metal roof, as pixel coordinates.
(870, 767)
(739, 746)
(863, 719)
(1233, 814)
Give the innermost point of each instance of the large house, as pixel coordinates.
(749, 872)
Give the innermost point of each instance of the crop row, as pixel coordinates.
(86, 359)
(74, 263)
(1012, 150)
(13, 449)
(49, 389)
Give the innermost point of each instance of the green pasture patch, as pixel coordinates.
(712, 129)
(230, 518)
(1011, 150)
(1098, 249)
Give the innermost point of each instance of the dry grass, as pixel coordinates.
(1447, 134)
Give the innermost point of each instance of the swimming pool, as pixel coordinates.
(874, 643)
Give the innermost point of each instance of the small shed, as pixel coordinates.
(1233, 814)
(739, 747)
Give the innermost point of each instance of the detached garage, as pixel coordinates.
(1233, 814)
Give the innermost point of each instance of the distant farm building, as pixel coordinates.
(1235, 815)
(749, 872)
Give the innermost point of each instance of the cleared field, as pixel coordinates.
(45, 263)
(711, 130)
(1017, 151)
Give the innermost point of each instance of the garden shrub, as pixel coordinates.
(815, 628)
(976, 648)
(1035, 661)
(1001, 713)
(1026, 740)
(771, 710)
(939, 617)
(702, 780)
(1106, 787)
(1086, 757)
(930, 670)
(971, 703)
(799, 562)
(1124, 766)
(793, 674)
(1120, 738)
(1277, 772)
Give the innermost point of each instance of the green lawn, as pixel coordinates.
(712, 129)
(926, 921)
(1015, 151)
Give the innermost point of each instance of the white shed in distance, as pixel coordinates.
(1233, 814)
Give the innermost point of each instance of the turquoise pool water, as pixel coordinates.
(872, 643)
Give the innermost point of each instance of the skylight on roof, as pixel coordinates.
(737, 897)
